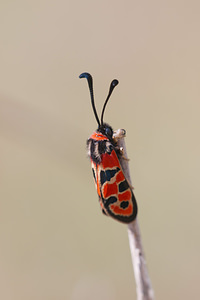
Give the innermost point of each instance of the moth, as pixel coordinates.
(116, 197)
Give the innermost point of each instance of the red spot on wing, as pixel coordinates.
(110, 160)
(109, 189)
(120, 211)
(125, 196)
(120, 177)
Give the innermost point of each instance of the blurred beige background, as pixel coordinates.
(55, 243)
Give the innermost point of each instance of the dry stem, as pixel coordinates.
(143, 283)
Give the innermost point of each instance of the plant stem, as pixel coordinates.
(143, 283)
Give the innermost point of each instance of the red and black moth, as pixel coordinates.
(115, 194)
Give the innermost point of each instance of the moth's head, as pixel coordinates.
(102, 127)
(106, 130)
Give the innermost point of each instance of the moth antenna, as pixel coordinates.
(113, 84)
(90, 84)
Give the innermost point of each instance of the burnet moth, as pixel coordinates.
(115, 194)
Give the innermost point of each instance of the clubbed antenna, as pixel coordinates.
(112, 86)
(90, 84)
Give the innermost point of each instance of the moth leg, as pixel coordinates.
(121, 149)
(118, 134)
